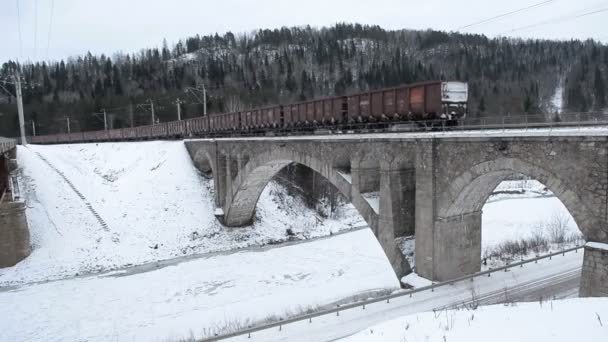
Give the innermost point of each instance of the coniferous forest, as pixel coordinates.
(241, 71)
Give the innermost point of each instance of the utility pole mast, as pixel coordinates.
(195, 92)
(105, 120)
(152, 110)
(33, 127)
(20, 106)
(204, 100)
(67, 119)
(178, 103)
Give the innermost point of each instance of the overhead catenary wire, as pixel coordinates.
(505, 14)
(19, 30)
(35, 27)
(48, 41)
(556, 20)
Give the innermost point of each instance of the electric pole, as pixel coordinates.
(204, 100)
(194, 92)
(67, 119)
(105, 119)
(178, 103)
(33, 128)
(20, 106)
(152, 110)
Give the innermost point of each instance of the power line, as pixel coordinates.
(35, 27)
(505, 14)
(551, 21)
(19, 29)
(48, 41)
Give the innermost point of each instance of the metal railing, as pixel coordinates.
(279, 324)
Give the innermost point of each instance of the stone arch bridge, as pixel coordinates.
(430, 186)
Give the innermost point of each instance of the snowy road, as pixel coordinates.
(547, 277)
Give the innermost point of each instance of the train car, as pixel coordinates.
(176, 128)
(436, 100)
(454, 100)
(115, 134)
(287, 116)
(129, 133)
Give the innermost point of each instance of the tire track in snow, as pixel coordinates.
(99, 219)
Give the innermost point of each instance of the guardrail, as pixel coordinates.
(386, 298)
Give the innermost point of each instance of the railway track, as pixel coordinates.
(204, 127)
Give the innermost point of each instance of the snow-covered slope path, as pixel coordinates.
(490, 289)
(198, 295)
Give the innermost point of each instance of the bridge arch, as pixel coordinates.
(204, 163)
(251, 180)
(468, 192)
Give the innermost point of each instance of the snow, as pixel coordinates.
(416, 281)
(597, 245)
(194, 296)
(347, 176)
(557, 101)
(521, 218)
(177, 293)
(557, 321)
(407, 245)
(548, 278)
(373, 198)
(154, 202)
(599, 131)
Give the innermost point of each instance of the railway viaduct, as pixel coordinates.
(433, 186)
(14, 231)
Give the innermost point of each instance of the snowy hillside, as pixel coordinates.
(556, 321)
(151, 204)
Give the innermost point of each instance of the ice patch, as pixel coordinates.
(416, 281)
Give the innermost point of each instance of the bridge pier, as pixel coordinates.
(395, 218)
(457, 246)
(594, 277)
(14, 231)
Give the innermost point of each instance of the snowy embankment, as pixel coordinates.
(155, 204)
(198, 297)
(557, 321)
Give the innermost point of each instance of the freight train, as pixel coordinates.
(438, 101)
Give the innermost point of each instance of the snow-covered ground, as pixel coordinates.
(198, 295)
(154, 202)
(158, 207)
(557, 321)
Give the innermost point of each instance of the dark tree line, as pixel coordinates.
(506, 76)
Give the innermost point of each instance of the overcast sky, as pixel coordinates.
(108, 26)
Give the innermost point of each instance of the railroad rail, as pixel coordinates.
(361, 304)
(204, 127)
